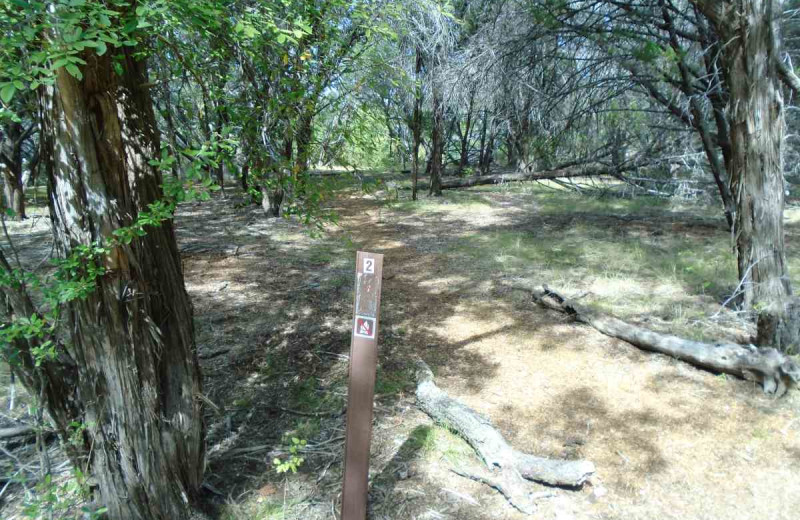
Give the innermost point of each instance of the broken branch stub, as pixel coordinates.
(773, 370)
(507, 467)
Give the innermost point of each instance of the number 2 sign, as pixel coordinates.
(369, 266)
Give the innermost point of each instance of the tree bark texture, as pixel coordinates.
(416, 125)
(11, 164)
(463, 158)
(437, 142)
(750, 58)
(506, 467)
(775, 371)
(132, 337)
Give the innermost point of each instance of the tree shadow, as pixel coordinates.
(400, 468)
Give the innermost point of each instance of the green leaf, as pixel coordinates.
(101, 48)
(7, 92)
(74, 71)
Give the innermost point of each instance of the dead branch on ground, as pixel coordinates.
(506, 468)
(773, 370)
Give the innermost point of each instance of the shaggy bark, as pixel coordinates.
(506, 467)
(750, 61)
(775, 371)
(132, 337)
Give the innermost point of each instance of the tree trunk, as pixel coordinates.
(271, 200)
(11, 148)
(303, 138)
(173, 144)
(463, 159)
(437, 145)
(132, 337)
(488, 157)
(245, 175)
(416, 125)
(14, 195)
(751, 32)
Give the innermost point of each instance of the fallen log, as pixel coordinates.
(502, 178)
(16, 431)
(773, 370)
(505, 467)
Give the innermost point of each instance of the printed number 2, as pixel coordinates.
(369, 266)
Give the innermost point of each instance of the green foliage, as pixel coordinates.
(293, 461)
(65, 500)
(40, 38)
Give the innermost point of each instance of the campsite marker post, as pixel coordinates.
(361, 390)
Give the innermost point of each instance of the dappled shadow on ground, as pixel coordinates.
(274, 307)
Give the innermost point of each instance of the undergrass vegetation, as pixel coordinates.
(646, 258)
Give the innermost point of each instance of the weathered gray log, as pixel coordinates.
(506, 466)
(502, 178)
(16, 431)
(775, 371)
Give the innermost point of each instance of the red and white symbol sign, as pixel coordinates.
(365, 327)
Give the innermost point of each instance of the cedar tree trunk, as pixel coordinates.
(132, 337)
(751, 32)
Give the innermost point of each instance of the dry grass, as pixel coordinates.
(669, 441)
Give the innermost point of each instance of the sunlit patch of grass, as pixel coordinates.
(422, 440)
(454, 200)
(263, 508)
(452, 448)
(437, 443)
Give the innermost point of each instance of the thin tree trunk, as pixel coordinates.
(464, 154)
(436, 143)
(416, 125)
(699, 119)
(303, 138)
(14, 195)
(11, 149)
(132, 337)
(245, 175)
(482, 150)
(173, 145)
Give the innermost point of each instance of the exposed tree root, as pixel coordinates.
(507, 468)
(773, 370)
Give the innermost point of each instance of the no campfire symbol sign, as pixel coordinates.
(365, 327)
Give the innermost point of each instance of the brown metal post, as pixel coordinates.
(361, 391)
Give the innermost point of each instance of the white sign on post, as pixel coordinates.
(365, 327)
(369, 266)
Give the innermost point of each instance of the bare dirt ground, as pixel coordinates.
(273, 309)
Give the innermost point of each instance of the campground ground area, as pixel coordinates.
(273, 308)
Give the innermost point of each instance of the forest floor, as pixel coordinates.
(273, 310)
(274, 306)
